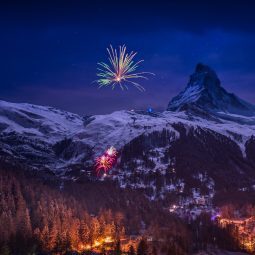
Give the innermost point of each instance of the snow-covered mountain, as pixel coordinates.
(204, 142)
(28, 132)
(204, 91)
(44, 122)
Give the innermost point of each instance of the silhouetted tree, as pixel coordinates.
(154, 250)
(142, 248)
(4, 250)
(131, 250)
(117, 249)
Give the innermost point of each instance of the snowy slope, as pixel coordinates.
(102, 131)
(121, 127)
(39, 121)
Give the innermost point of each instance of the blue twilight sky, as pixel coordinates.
(49, 49)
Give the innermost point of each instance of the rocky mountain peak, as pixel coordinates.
(207, 74)
(204, 91)
(201, 68)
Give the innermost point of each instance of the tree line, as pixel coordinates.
(35, 217)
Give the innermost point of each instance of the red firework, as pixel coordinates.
(107, 160)
(104, 162)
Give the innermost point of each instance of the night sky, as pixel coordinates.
(49, 50)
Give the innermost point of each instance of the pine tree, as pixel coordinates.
(44, 237)
(4, 231)
(85, 233)
(52, 239)
(4, 250)
(95, 229)
(142, 248)
(131, 250)
(109, 230)
(154, 251)
(118, 224)
(103, 251)
(74, 234)
(117, 250)
(102, 224)
(59, 244)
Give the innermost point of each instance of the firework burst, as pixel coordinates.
(104, 163)
(121, 70)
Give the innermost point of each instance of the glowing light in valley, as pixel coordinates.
(121, 70)
(96, 243)
(108, 239)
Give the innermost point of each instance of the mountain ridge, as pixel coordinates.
(204, 91)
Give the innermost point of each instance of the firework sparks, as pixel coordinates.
(112, 152)
(121, 70)
(104, 162)
(107, 160)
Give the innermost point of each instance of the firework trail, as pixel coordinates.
(121, 70)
